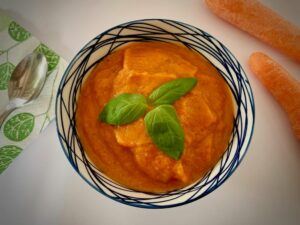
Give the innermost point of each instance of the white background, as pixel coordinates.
(40, 187)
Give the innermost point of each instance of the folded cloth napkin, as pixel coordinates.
(25, 123)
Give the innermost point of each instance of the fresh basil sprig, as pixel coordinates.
(169, 92)
(161, 122)
(124, 109)
(165, 130)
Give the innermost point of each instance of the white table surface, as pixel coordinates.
(40, 187)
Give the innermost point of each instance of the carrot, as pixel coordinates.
(261, 22)
(284, 88)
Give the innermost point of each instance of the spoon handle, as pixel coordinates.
(9, 108)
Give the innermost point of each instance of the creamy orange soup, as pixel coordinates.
(126, 153)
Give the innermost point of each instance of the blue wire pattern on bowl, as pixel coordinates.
(164, 31)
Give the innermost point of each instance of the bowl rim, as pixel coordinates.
(66, 72)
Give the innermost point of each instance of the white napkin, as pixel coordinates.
(26, 123)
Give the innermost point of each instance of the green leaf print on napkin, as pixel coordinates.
(51, 56)
(7, 154)
(6, 70)
(19, 126)
(17, 32)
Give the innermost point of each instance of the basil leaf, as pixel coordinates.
(124, 109)
(165, 130)
(169, 92)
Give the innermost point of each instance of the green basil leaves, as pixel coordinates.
(161, 122)
(165, 130)
(124, 109)
(169, 92)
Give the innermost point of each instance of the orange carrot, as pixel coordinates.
(284, 88)
(261, 22)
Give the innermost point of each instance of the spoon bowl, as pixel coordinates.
(26, 82)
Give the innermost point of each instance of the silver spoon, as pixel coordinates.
(26, 83)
